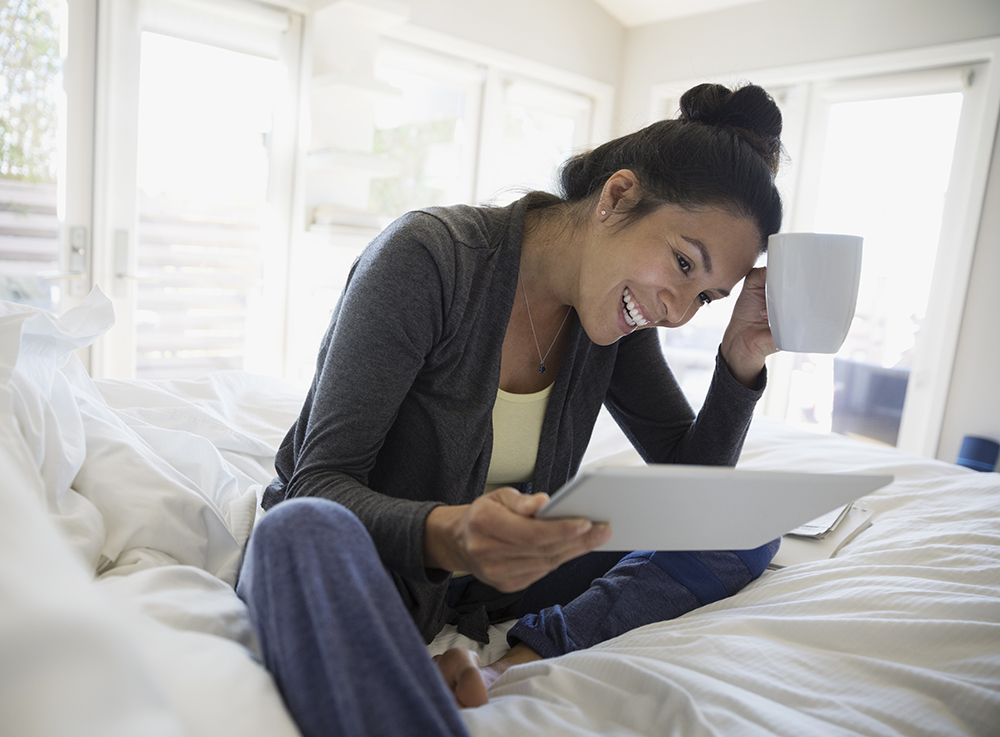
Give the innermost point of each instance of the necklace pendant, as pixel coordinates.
(541, 368)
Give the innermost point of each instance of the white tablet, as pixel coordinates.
(677, 507)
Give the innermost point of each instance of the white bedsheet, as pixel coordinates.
(124, 506)
(897, 635)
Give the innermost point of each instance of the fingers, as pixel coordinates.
(756, 278)
(511, 550)
(519, 525)
(523, 504)
(748, 340)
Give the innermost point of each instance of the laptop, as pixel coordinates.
(678, 507)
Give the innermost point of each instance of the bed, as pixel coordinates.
(125, 505)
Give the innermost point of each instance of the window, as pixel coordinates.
(446, 153)
(531, 130)
(428, 129)
(890, 148)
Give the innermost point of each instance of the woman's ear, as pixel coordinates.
(620, 192)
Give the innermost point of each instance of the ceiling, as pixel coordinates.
(640, 12)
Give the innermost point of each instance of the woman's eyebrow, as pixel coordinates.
(705, 258)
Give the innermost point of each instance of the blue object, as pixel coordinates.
(643, 587)
(979, 454)
(868, 399)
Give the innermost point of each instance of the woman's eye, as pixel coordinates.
(684, 264)
(705, 298)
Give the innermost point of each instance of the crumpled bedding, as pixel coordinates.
(124, 507)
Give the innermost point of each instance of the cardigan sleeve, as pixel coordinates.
(647, 402)
(391, 314)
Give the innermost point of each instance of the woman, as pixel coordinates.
(470, 354)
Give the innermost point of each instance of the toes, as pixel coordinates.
(470, 690)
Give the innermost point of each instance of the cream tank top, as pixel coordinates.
(517, 428)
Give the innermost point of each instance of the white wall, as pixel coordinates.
(974, 395)
(575, 35)
(779, 33)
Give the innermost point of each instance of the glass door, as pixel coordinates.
(897, 205)
(205, 119)
(197, 135)
(877, 162)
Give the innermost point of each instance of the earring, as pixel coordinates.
(604, 212)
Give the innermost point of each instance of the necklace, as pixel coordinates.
(541, 358)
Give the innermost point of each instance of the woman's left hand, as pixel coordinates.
(747, 340)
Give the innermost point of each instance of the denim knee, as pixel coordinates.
(302, 517)
(310, 527)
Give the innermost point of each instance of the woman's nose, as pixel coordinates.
(681, 305)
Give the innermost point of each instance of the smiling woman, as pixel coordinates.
(453, 307)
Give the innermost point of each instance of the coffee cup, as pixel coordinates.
(812, 289)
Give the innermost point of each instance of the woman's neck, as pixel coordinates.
(551, 251)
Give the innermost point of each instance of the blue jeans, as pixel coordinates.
(602, 595)
(333, 631)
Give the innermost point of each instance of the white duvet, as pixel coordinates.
(124, 506)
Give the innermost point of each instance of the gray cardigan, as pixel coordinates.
(399, 415)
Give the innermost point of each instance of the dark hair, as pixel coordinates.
(722, 151)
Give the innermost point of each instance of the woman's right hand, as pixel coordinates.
(498, 540)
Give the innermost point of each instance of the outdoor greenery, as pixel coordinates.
(414, 187)
(30, 69)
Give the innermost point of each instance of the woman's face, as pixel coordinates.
(661, 269)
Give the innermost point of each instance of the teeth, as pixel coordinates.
(633, 315)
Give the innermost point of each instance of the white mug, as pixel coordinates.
(812, 289)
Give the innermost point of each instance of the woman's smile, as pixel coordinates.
(632, 311)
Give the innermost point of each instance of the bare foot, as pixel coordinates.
(469, 681)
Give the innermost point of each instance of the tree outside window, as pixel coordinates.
(29, 88)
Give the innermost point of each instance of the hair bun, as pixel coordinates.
(749, 111)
